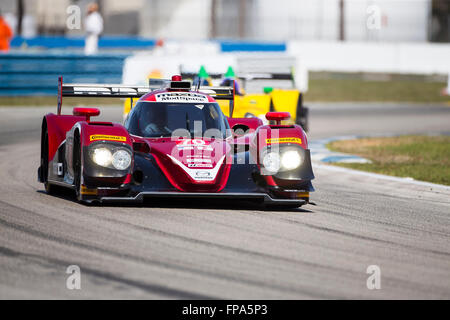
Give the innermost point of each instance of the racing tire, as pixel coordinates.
(302, 114)
(302, 118)
(49, 188)
(77, 167)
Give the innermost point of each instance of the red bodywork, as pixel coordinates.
(190, 165)
(212, 152)
(57, 127)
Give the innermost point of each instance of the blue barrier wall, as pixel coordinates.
(126, 42)
(52, 42)
(229, 46)
(37, 74)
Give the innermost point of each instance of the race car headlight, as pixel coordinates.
(112, 157)
(291, 159)
(271, 161)
(121, 159)
(102, 157)
(282, 159)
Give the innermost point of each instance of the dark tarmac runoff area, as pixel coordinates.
(190, 250)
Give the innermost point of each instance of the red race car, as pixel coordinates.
(175, 142)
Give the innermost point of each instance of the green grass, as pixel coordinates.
(425, 158)
(335, 90)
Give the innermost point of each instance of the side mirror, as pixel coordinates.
(278, 116)
(87, 112)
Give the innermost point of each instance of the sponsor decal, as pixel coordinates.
(284, 140)
(199, 160)
(200, 165)
(200, 174)
(189, 144)
(86, 191)
(95, 137)
(184, 97)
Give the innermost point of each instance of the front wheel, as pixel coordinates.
(77, 167)
(302, 118)
(49, 188)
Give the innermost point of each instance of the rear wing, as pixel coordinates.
(267, 76)
(254, 79)
(99, 91)
(247, 76)
(220, 93)
(125, 91)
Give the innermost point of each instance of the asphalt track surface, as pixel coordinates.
(196, 250)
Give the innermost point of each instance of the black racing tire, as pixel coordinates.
(49, 188)
(302, 114)
(302, 118)
(77, 166)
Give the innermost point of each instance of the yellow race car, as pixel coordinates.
(254, 97)
(253, 104)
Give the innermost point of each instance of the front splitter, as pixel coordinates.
(260, 197)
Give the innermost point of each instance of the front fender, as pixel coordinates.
(280, 138)
(103, 134)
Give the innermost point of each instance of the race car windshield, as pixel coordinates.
(162, 119)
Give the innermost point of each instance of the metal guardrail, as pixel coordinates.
(37, 74)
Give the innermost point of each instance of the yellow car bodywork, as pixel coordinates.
(127, 106)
